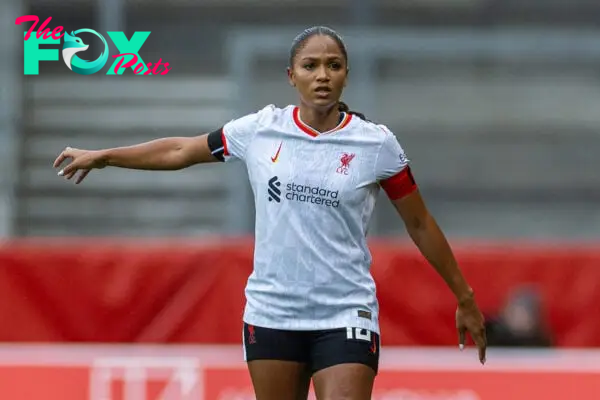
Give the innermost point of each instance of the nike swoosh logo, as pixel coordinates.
(274, 159)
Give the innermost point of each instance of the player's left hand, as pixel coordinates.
(469, 318)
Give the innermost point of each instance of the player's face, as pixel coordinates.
(319, 72)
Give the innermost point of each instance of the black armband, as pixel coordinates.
(217, 145)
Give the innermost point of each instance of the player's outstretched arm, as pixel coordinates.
(429, 238)
(166, 154)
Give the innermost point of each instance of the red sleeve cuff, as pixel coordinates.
(399, 185)
(225, 151)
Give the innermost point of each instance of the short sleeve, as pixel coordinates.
(392, 169)
(237, 135)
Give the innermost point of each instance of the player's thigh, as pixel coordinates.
(279, 380)
(344, 382)
(344, 363)
(278, 362)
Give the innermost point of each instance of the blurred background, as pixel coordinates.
(495, 102)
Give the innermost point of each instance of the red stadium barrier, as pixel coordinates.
(181, 292)
(60, 372)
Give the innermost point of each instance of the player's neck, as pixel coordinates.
(320, 120)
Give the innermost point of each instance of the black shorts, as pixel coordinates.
(319, 349)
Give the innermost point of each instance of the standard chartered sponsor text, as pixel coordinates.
(312, 194)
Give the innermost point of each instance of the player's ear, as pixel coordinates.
(346, 79)
(291, 77)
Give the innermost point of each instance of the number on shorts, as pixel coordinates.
(358, 333)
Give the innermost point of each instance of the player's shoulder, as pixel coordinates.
(375, 129)
(270, 115)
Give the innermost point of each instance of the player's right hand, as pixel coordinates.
(80, 160)
(470, 319)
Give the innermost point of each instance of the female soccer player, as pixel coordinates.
(315, 169)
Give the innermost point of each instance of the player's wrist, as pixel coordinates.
(103, 157)
(466, 298)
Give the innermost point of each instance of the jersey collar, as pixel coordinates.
(313, 132)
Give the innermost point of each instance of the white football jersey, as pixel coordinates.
(314, 195)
